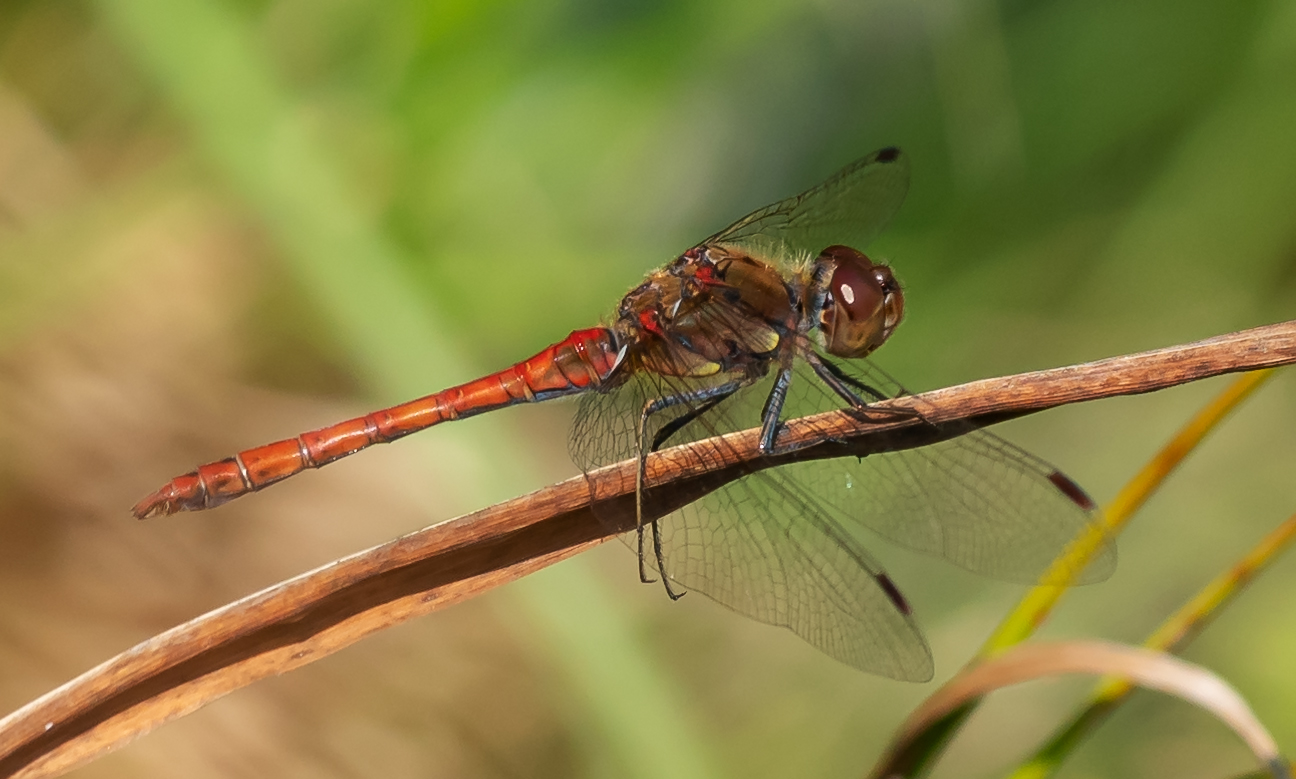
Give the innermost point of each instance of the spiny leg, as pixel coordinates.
(845, 386)
(772, 411)
(675, 425)
(773, 408)
(639, 539)
(707, 399)
(836, 375)
(661, 561)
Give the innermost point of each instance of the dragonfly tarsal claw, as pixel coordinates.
(769, 442)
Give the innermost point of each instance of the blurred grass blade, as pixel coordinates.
(1147, 668)
(204, 57)
(675, 751)
(1171, 636)
(1033, 609)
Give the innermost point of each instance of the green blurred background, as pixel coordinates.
(225, 221)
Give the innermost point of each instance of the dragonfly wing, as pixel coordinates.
(753, 546)
(976, 500)
(851, 208)
(760, 545)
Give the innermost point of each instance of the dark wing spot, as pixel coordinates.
(1072, 491)
(889, 154)
(893, 592)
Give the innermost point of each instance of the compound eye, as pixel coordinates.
(857, 288)
(892, 298)
(863, 303)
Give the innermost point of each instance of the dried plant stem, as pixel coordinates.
(315, 614)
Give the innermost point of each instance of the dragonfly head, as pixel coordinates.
(862, 303)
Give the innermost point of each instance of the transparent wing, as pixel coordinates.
(754, 547)
(976, 500)
(851, 208)
(761, 545)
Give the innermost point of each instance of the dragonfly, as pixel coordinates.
(770, 318)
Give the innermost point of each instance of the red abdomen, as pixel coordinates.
(581, 361)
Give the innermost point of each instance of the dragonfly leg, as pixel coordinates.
(773, 408)
(643, 568)
(675, 425)
(661, 562)
(707, 399)
(846, 386)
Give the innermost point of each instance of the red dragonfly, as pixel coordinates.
(768, 318)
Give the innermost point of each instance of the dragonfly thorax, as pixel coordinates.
(713, 310)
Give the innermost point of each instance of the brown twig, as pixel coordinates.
(315, 614)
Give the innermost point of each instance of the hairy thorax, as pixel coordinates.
(712, 310)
